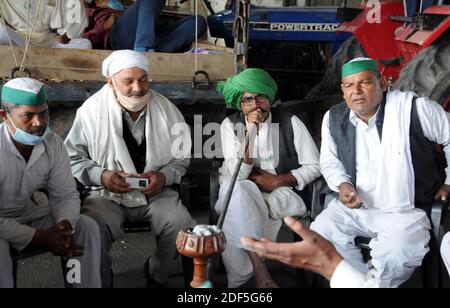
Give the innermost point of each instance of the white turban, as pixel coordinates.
(122, 59)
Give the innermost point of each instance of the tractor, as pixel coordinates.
(410, 39)
(413, 50)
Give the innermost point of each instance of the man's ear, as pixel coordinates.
(384, 83)
(3, 114)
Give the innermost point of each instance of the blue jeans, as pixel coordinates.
(136, 29)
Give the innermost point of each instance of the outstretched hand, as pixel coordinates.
(314, 253)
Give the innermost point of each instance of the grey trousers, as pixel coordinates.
(167, 216)
(87, 235)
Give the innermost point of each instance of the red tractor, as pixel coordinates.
(410, 40)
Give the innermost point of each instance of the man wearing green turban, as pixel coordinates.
(282, 159)
(378, 156)
(31, 158)
(252, 80)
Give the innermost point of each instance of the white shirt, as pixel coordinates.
(435, 124)
(265, 155)
(346, 276)
(49, 168)
(137, 128)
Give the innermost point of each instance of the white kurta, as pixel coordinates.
(251, 212)
(347, 276)
(48, 168)
(445, 251)
(399, 239)
(95, 143)
(54, 17)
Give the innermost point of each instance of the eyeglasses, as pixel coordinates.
(248, 100)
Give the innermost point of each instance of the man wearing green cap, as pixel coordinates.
(378, 156)
(33, 158)
(282, 159)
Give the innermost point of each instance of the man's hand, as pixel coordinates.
(314, 253)
(114, 181)
(157, 182)
(349, 197)
(265, 181)
(443, 193)
(59, 240)
(63, 39)
(75, 250)
(255, 116)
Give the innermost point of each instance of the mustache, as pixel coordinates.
(37, 131)
(136, 94)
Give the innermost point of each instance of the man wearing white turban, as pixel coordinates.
(123, 131)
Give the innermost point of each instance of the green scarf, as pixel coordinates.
(251, 80)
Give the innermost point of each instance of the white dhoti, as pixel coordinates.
(399, 240)
(86, 234)
(17, 40)
(445, 251)
(249, 214)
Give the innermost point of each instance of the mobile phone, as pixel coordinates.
(137, 183)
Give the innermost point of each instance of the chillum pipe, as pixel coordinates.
(233, 180)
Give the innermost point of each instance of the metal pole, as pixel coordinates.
(233, 180)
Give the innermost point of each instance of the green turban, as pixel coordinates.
(24, 91)
(251, 80)
(359, 65)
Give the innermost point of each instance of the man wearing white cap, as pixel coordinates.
(47, 23)
(32, 157)
(123, 131)
(378, 156)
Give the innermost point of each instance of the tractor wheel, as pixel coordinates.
(428, 74)
(331, 81)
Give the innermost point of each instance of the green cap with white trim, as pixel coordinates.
(24, 91)
(358, 65)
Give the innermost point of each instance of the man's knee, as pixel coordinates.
(243, 190)
(179, 219)
(88, 225)
(403, 244)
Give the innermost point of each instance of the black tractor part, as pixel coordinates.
(331, 81)
(428, 74)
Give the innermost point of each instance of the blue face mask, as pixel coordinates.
(116, 5)
(23, 137)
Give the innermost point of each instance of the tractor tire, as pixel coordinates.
(331, 81)
(428, 74)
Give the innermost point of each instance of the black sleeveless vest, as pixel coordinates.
(428, 163)
(137, 152)
(288, 158)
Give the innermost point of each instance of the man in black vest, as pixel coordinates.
(282, 159)
(125, 131)
(378, 156)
